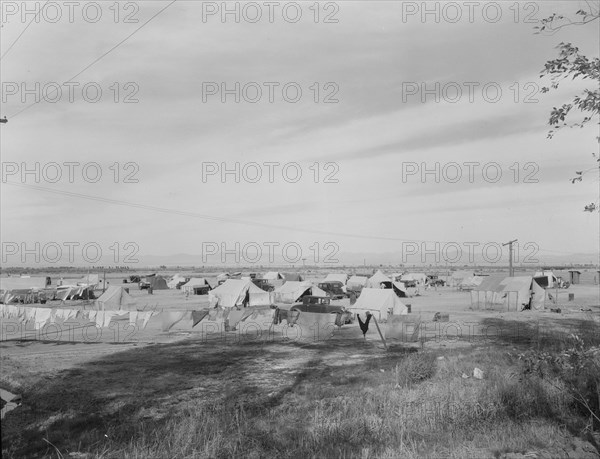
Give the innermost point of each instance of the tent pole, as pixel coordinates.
(382, 339)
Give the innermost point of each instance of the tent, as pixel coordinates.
(377, 279)
(293, 291)
(293, 276)
(273, 275)
(514, 292)
(400, 289)
(115, 297)
(194, 283)
(90, 280)
(545, 279)
(336, 277)
(469, 283)
(175, 280)
(157, 283)
(458, 276)
(239, 292)
(357, 283)
(380, 302)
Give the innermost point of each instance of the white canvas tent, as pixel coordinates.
(336, 277)
(273, 275)
(513, 292)
(114, 298)
(380, 302)
(176, 279)
(291, 291)
(357, 282)
(239, 292)
(377, 279)
(193, 282)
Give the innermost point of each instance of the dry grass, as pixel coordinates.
(197, 399)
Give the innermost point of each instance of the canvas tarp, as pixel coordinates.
(357, 282)
(376, 279)
(234, 292)
(22, 283)
(193, 282)
(380, 302)
(115, 297)
(336, 277)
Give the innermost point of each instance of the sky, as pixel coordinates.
(387, 92)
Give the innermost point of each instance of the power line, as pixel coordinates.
(102, 56)
(236, 221)
(207, 217)
(23, 32)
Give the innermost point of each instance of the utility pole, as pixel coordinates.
(511, 271)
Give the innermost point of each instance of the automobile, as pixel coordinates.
(322, 305)
(434, 281)
(263, 284)
(334, 289)
(144, 285)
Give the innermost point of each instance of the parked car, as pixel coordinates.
(334, 289)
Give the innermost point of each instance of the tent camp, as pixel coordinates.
(516, 293)
(357, 283)
(293, 291)
(377, 279)
(195, 286)
(336, 277)
(115, 298)
(239, 292)
(380, 302)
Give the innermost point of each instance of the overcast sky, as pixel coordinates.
(374, 61)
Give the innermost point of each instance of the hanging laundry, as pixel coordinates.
(314, 326)
(30, 314)
(197, 316)
(42, 316)
(233, 318)
(145, 316)
(169, 319)
(403, 327)
(133, 317)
